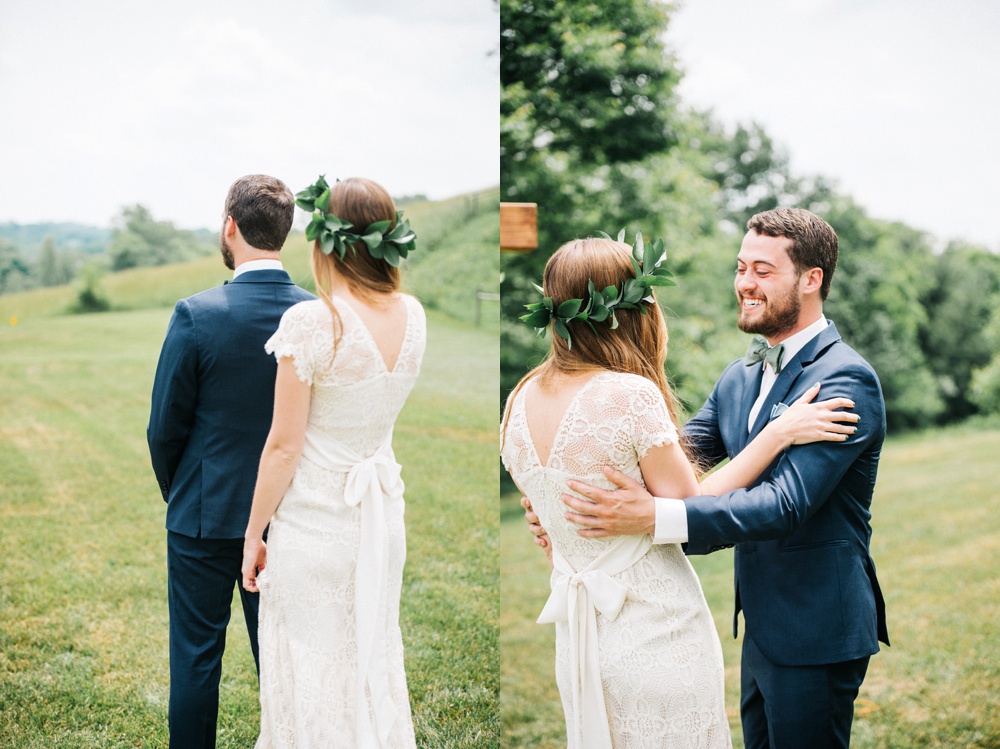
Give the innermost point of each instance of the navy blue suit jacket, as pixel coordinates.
(212, 401)
(805, 579)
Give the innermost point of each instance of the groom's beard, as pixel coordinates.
(227, 253)
(781, 314)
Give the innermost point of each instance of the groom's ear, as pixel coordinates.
(811, 281)
(229, 226)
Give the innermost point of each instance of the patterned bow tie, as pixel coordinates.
(760, 351)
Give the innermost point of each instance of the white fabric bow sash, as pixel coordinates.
(369, 482)
(575, 599)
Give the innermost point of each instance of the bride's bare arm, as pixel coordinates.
(667, 472)
(278, 462)
(802, 423)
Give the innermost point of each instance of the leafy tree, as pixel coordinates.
(53, 268)
(956, 334)
(11, 264)
(876, 303)
(586, 94)
(984, 389)
(137, 239)
(579, 138)
(592, 80)
(130, 249)
(90, 296)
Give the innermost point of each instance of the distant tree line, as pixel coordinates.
(54, 254)
(592, 130)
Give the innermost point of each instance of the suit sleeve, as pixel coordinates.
(801, 481)
(175, 395)
(702, 436)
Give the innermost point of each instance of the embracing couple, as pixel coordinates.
(638, 660)
(274, 408)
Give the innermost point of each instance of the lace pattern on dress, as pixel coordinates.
(308, 645)
(660, 659)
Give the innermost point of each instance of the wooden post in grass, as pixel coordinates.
(518, 227)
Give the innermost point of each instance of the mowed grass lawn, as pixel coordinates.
(936, 543)
(83, 610)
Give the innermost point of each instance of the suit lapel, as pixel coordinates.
(752, 377)
(779, 390)
(789, 376)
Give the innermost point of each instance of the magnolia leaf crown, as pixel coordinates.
(600, 305)
(332, 232)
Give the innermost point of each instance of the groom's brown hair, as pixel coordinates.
(814, 242)
(263, 208)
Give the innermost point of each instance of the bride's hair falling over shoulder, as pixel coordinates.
(637, 346)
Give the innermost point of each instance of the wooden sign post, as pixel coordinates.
(518, 227)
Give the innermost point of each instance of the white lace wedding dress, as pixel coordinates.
(638, 660)
(336, 546)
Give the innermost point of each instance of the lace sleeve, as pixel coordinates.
(296, 338)
(651, 424)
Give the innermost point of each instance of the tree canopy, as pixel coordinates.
(592, 130)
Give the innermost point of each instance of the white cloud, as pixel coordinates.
(166, 104)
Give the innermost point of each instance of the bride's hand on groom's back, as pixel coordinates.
(535, 526)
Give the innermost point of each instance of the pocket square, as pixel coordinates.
(778, 409)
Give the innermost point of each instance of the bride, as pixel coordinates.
(638, 659)
(330, 574)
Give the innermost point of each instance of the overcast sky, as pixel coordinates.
(107, 103)
(897, 100)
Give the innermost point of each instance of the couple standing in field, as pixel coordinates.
(321, 595)
(612, 493)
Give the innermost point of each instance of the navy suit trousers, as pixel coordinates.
(797, 707)
(201, 573)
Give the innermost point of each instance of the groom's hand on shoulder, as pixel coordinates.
(628, 510)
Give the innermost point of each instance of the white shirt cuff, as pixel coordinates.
(671, 522)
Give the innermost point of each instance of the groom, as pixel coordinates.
(211, 411)
(805, 580)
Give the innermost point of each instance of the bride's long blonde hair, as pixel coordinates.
(637, 346)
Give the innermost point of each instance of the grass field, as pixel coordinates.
(937, 546)
(83, 614)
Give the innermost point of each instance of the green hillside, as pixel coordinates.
(457, 241)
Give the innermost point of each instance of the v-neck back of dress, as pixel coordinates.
(355, 398)
(342, 305)
(566, 417)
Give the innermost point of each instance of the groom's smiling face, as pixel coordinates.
(767, 286)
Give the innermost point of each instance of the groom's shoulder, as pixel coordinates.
(206, 300)
(225, 295)
(841, 355)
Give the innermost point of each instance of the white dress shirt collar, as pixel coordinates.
(250, 265)
(795, 343)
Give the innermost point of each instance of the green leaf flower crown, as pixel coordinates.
(333, 234)
(600, 306)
